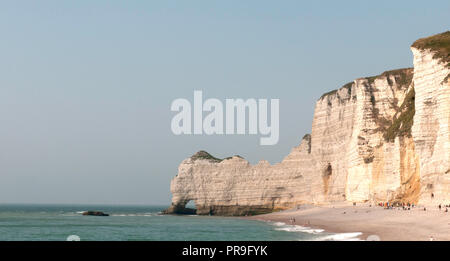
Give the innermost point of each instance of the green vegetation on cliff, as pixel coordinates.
(347, 86)
(403, 77)
(206, 156)
(403, 120)
(439, 44)
(401, 124)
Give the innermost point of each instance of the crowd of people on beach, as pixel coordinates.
(404, 206)
(407, 206)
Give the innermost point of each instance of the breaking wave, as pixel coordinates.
(296, 228)
(281, 226)
(342, 237)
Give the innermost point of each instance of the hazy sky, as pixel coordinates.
(86, 86)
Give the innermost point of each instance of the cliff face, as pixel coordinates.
(234, 187)
(431, 124)
(382, 138)
(349, 136)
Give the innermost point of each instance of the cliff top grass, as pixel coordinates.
(206, 156)
(439, 44)
(402, 76)
(307, 136)
(347, 86)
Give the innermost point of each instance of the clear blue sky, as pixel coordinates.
(86, 86)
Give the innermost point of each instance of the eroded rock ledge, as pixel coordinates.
(381, 138)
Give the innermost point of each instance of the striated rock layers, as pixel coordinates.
(382, 138)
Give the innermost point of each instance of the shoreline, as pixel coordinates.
(388, 224)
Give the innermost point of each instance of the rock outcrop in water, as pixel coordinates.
(382, 138)
(95, 213)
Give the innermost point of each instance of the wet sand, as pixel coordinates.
(388, 224)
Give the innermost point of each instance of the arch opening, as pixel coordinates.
(190, 205)
(185, 208)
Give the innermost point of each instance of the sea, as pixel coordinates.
(22, 222)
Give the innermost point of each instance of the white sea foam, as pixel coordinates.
(296, 228)
(342, 237)
(280, 226)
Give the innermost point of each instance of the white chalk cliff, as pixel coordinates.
(382, 138)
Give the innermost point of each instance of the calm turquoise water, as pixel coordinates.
(57, 222)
